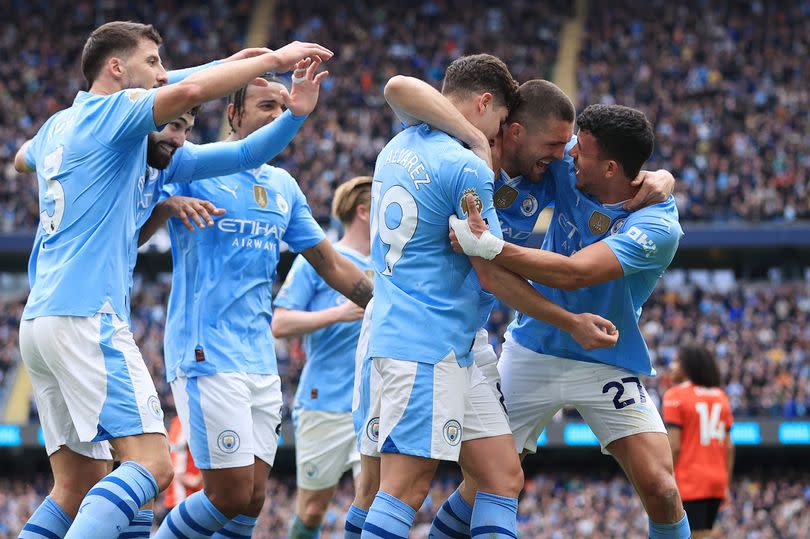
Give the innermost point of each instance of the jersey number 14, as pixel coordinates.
(711, 428)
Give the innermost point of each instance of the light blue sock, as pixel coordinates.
(388, 518)
(193, 518)
(494, 517)
(49, 520)
(453, 519)
(679, 530)
(140, 527)
(355, 520)
(299, 530)
(113, 502)
(239, 527)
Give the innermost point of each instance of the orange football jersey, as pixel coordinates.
(705, 419)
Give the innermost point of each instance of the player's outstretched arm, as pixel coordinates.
(188, 209)
(177, 75)
(339, 272)
(414, 101)
(220, 80)
(20, 163)
(654, 187)
(291, 323)
(589, 330)
(595, 264)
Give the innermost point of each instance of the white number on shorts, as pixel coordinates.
(619, 387)
(56, 193)
(396, 238)
(711, 428)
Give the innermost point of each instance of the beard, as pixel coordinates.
(158, 155)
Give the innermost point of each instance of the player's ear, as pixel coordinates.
(484, 102)
(612, 169)
(231, 112)
(116, 66)
(514, 130)
(362, 212)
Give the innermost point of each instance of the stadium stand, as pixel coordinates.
(722, 83)
(43, 42)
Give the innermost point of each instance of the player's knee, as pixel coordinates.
(313, 513)
(660, 490)
(232, 501)
(256, 503)
(162, 470)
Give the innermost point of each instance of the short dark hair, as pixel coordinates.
(481, 73)
(623, 134)
(699, 366)
(540, 101)
(237, 99)
(117, 37)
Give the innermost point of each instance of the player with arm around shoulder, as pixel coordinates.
(325, 443)
(600, 258)
(89, 159)
(219, 352)
(698, 418)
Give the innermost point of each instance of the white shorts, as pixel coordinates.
(426, 410)
(230, 417)
(325, 448)
(535, 386)
(90, 382)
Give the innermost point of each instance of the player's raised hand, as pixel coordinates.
(288, 55)
(349, 312)
(250, 52)
(306, 86)
(592, 331)
(654, 188)
(192, 210)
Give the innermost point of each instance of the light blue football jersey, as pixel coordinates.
(518, 203)
(644, 241)
(220, 306)
(89, 159)
(327, 379)
(424, 306)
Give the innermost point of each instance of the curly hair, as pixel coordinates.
(699, 366)
(623, 134)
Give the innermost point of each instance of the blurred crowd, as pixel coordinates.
(758, 330)
(722, 80)
(723, 83)
(41, 43)
(564, 505)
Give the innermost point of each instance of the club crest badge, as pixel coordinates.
(505, 196)
(529, 206)
(617, 225)
(452, 432)
(599, 223)
(282, 204)
(228, 441)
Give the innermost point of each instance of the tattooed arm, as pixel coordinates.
(339, 272)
